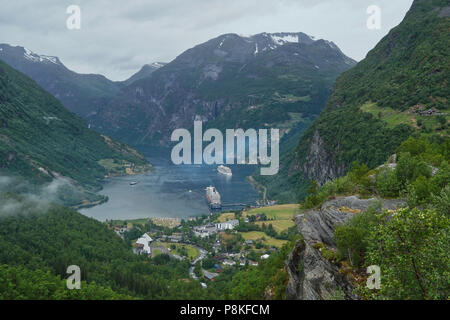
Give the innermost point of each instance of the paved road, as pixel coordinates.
(201, 256)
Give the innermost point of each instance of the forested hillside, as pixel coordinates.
(37, 246)
(39, 241)
(18, 283)
(399, 89)
(40, 140)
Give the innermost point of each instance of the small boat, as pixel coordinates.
(224, 170)
(133, 183)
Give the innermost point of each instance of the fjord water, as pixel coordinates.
(175, 191)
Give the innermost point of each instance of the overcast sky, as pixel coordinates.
(117, 37)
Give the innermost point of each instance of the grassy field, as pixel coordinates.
(165, 222)
(281, 217)
(283, 211)
(393, 117)
(226, 216)
(130, 223)
(115, 166)
(290, 98)
(390, 116)
(257, 235)
(278, 225)
(191, 251)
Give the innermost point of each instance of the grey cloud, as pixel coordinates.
(118, 37)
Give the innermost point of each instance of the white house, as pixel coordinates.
(264, 256)
(227, 262)
(229, 225)
(143, 245)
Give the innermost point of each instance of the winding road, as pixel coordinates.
(201, 256)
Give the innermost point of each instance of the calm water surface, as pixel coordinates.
(171, 191)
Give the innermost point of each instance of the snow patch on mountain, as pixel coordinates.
(157, 65)
(270, 41)
(283, 39)
(31, 56)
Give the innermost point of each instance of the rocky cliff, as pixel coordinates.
(320, 165)
(311, 275)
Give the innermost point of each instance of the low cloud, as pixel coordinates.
(19, 197)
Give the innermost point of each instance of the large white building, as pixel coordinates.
(228, 225)
(210, 229)
(205, 231)
(142, 245)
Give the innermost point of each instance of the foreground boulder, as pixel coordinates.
(311, 275)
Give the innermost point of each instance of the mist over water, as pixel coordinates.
(171, 191)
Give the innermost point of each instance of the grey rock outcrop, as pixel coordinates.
(320, 165)
(311, 276)
(445, 12)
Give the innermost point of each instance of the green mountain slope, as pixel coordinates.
(40, 140)
(378, 104)
(409, 66)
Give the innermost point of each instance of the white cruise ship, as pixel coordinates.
(213, 198)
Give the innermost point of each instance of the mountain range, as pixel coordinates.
(80, 93)
(266, 80)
